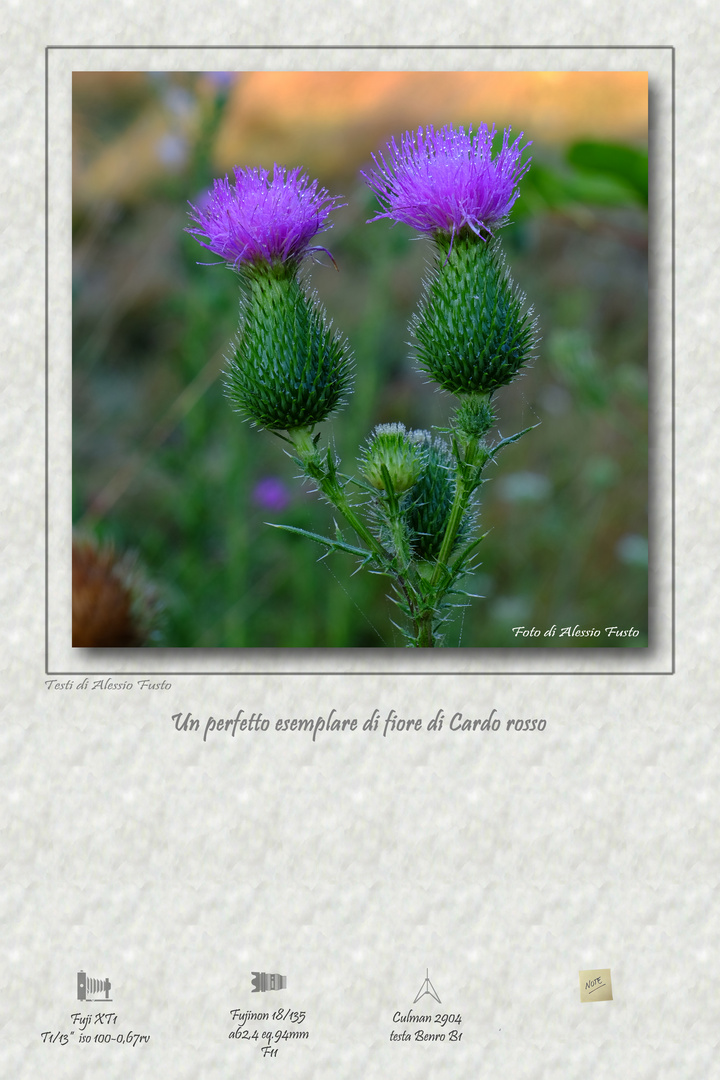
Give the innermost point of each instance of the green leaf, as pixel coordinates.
(623, 163)
(603, 175)
(333, 545)
(466, 553)
(511, 439)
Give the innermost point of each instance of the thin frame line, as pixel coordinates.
(377, 48)
(101, 673)
(47, 358)
(673, 375)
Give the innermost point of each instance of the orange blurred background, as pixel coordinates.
(330, 122)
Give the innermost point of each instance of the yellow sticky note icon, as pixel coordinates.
(596, 985)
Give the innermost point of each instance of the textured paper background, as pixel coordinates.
(504, 863)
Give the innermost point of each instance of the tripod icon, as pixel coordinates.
(427, 988)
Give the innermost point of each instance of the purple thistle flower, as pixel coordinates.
(263, 220)
(447, 179)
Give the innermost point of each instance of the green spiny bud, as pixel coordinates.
(472, 330)
(400, 452)
(430, 501)
(474, 416)
(290, 369)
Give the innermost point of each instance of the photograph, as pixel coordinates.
(360, 359)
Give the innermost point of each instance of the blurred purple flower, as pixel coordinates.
(271, 494)
(263, 220)
(179, 101)
(172, 150)
(221, 80)
(447, 179)
(203, 200)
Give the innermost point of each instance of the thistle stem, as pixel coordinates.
(399, 534)
(423, 623)
(337, 497)
(457, 511)
(422, 600)
(468, 469)
(424, 637)
(326, 479)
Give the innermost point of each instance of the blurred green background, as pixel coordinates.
(165, 469)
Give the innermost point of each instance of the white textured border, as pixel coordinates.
(656, 659)
(175, 868)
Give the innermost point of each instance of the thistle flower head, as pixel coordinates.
(396, 453)
(473, 330)
(113, 603)
(261, 219)
(290, 368)
(447, 180)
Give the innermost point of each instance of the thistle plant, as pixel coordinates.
(410, 510)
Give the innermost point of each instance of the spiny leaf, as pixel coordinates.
(511, 439)
(334, 545)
